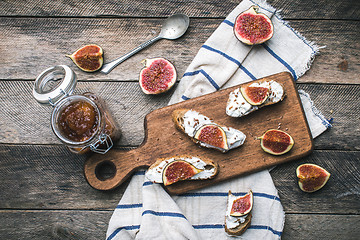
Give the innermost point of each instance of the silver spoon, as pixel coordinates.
(173, 27)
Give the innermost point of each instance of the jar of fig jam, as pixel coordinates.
(82, 122)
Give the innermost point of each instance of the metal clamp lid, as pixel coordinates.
(54, 84)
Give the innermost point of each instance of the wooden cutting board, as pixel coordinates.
(162, 139)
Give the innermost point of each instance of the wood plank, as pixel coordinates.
(50, 177)
(322, 9)
(341, 189)
(83, 225)
(31, 124)
(30, 45)
(313, 226)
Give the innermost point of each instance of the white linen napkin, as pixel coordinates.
(147, 211)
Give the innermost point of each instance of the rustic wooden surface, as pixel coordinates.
(43, 192)
(163, 139)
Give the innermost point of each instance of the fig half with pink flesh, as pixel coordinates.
(311, 177)
(242, 205)
(255, 95)
(252, 27)
(178, 170)
(276, 142)
(157, 76)
(213, 135)
(88, 58)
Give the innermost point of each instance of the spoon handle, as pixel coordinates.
(111, 65)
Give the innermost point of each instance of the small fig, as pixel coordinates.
(255, 95)
(178, 170)
(276, 142)
(157, 76)
(213, 135)
(242, 205)
(252, 27)
(88, 58)
(311, 177)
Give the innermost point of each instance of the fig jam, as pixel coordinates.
(78, 121)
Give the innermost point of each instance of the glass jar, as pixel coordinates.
(81, 122)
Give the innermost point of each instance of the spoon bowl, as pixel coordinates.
(173, 27)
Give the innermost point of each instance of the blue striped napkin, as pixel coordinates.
(147, 211)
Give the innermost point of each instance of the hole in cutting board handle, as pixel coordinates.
(105, 170)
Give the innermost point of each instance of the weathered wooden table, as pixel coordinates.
(43, 194)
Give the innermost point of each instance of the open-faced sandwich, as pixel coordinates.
(179, 168)
(238, 213)
(203, 131)
(249, 98)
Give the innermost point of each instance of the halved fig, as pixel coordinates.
(242, 205)
(255, 95)
(213, 135)
(276, 142)
(157, 76)
(252, 27)
(311, 177)
(178, 170)
(88, 58)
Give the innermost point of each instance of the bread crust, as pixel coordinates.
(177, 117)
(182, 157)
(242, 227)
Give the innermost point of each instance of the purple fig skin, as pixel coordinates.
(213, 135)
(157, 76)
(311, 177)
(177, 171)
(253, 28)
(255, 95)
(276, 142)
(88, 58)
(244, 201)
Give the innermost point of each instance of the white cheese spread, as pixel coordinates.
(193, 120)
(232, 222)
(155, 174)
(237, 106)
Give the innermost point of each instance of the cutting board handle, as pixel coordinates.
(123, 164)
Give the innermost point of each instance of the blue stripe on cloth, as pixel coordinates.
(164, 214)
(205, 75)
(185, 97)
(131, 227)
(219, 226)
(225, 194)
(127, 206)
(231, 59)
(208, 226)
(282, 61)
(147, 183)
(265, 228)
(228, 23)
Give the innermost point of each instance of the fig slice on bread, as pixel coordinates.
(178, 168)
(238, 214)
(203, 131)
(250, 97)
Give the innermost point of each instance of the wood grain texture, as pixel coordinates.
(322, 9)
(343, 187)
(163, 140)
(83, 225)
(50, 177)
(30, 45)
(31, 124)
